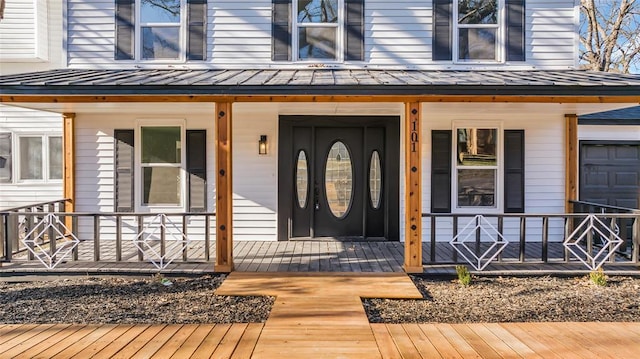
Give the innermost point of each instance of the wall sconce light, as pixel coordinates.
(262, 145)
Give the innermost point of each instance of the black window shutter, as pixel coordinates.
(281, 30)
(125, 15)
(124, 156)
(196, 29)
(514, 171)
(354, 33)
(441, 171)
(197, 170)
(515, 30)
(441, 40)
(5, 157)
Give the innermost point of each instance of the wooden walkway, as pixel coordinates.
(321, 316)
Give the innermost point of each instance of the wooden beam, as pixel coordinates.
(413, 189)
(224, 189)
(635, 99)
(69, 173)
(571, 160)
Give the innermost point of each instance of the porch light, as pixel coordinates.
(262, 145)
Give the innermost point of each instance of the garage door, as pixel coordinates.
(610, 173)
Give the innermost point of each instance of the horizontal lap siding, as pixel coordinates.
(95, 168)
(551, 33)
(20, 121)
(255, 183)
(18, 30)
(544, 167)
(90, 32)
(239, 32)
(398, 32)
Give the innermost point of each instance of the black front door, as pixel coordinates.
(338, 177)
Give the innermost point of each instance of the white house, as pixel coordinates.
(30, 141)
(332, 118)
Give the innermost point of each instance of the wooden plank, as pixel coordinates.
(69, 163)
(385, 343)
(413, 188)
(538, 346)
(496, 343)
(122, 341)
(138, 341)
(38, 343)
(79, 332)
(224, 188)
(103, 341)
(211, 341)
(82, 343)
(509, 339)
(448, 342)
(191, 344)
(540, 333)
(157, 342)
(403, 342)
(571, 160)
(28, 333)
(230, 341)
(422, 343)
(476, 341)
(248, 341)
(8, 331)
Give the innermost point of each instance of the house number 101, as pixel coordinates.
(414, 135)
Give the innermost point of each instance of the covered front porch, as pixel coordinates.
(229, 110)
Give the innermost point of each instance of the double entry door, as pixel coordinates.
(339, 177)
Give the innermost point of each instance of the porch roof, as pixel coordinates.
(317, 82)
(623, 116)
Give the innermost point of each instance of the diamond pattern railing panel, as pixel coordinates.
(485, 251)
(575, 243)
(65, 241)
(161, 251)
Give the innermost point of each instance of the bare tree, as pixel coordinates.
(609, 35)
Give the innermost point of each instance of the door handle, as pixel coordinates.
(316, 197)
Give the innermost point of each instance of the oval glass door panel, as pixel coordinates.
(375, 180)
(338, 179)
(302, 179)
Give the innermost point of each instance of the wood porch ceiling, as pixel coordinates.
(132, 85)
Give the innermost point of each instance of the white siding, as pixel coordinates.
(397, 35)
(18, 121)
(610, 133)
(544, 160)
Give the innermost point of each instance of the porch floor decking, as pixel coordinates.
(313, 256)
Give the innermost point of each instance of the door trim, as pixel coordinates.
(391, 158)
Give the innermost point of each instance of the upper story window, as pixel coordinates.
(160, 30)
(478, 31)
(319, 30)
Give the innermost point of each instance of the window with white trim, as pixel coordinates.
(39, 158)
(160, 30)
(477, 30)
(476, 167)
(162, 163)
(5, 158)
(318, 30)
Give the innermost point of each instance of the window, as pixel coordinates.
(154, 171)
(161, 164)
(39, 158)
(478, 31)
(318, 30)
(476, 167)
(160, 30)
(5, 158)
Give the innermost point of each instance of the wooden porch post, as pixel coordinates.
(413, 189)
(69, 172)
(571, 160)
(224, 189)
